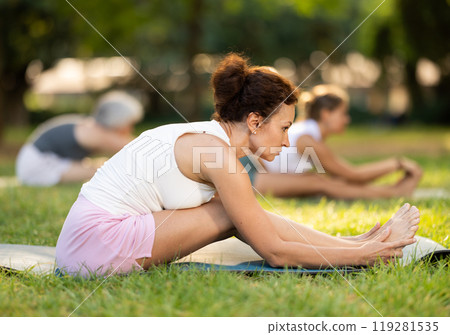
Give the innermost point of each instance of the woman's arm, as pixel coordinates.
(101, 140)
(283, 243)
(310, 256)
(256, 226)
(337, 166)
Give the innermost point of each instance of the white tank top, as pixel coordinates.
(289, 157)
(144, 177)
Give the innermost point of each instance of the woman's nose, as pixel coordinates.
(285, 142)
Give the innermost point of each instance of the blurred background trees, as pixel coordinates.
(396, 66)
(29, 31)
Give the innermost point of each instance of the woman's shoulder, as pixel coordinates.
(176, 130)
(306, 127)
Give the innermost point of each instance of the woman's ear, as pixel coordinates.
(254, 121)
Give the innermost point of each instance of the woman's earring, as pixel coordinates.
(254, 132)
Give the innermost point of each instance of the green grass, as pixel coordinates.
(35, 216)
(170, 292)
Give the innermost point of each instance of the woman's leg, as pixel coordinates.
(310, 184)
(403, 224)
(181, 232)
(289, 185)
(292, 231)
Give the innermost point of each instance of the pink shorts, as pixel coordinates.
(96, 242)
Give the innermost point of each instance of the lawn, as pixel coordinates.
(35, 216)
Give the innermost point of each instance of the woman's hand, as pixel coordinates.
(366, 236)
(377, 250)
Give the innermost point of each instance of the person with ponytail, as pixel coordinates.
(290, 175)
(179, 187)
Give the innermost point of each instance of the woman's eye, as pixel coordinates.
(285, 129)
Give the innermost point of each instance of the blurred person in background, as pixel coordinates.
(58, 150)
(288, 175)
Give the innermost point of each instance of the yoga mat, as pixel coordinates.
(424, 248)
(19, 257)
(430, 193)
(227, 255)
(234, 255)
(260, 266)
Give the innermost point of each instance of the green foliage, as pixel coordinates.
(33, 30)
(424, 25)
(163, 35)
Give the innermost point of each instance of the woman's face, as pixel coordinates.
(336, 120)
(272, 135)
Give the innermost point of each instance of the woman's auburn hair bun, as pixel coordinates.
(229, 77)
(240, 89)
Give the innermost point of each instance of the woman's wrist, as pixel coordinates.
(353, 256)
(361, 255)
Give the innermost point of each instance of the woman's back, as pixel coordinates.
(144, 177)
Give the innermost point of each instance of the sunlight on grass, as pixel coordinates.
(35, 216)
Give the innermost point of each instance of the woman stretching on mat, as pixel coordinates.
(179, 187)
(288, 176)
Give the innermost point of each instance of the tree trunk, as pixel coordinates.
(193, 48)
(12, 109)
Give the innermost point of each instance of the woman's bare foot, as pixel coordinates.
(403, 224)
(407, 185)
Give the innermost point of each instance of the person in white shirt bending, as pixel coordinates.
(60, 150)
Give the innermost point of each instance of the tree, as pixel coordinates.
(164, 36)
(157, 33)
(425, 25)
(28, 30)
(408, 31)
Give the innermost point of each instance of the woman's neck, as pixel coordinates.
(238, 134)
